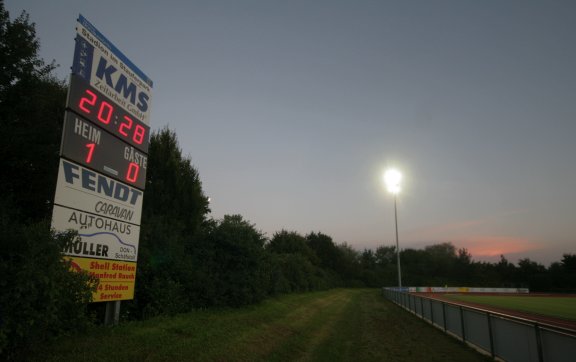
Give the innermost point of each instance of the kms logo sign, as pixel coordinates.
(101, 64)
(128, 90)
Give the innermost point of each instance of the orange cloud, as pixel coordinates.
(494, 246)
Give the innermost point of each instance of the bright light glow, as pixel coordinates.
(392, 178)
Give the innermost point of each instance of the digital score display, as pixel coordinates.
(100, 110)
(94, 148)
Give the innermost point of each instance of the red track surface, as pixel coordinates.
(558, 322)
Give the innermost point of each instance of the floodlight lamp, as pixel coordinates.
(392, 179)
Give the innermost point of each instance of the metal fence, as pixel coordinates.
(502, 336)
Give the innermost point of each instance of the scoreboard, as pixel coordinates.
(89, 145)
(104, 157)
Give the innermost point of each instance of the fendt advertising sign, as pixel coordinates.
(82, 189)
(104, 154)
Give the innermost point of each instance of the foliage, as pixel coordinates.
(31, 112)
(442, 264)
(296, 264)
(562, 275)
(349, 268)
(173, 187)
(41, 298)
(229, 263)
(19, 48)
(285, 242)
(173, 212)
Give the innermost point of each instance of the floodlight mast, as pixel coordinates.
(392, 179)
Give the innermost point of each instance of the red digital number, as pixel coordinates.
(105, 112)
(125, 126)
(90, 100)
(132, 173)
(89, 103)
(139, 133)
(90, 147)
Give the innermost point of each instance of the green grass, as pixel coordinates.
(335, 325)
(560, 307)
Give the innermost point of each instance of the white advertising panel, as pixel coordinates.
(83, 189)
(100, 237)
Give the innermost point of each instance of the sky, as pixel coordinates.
(292, 110)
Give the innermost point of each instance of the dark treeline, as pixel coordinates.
(186, 260)
(442, 264)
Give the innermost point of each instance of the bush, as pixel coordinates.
(41, 298)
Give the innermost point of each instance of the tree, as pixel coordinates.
(463, 267)
(562, 275)
(349, 265)
(441, 259)
(324, 248)
(416, 269)
(368, 259)
(506, 273)
(328, 254)
(173, 187)
(32, 105)
(295, 264)
(386, 274)
(174, 206)
(385, 255)
(290, 242)
(229, 264)
(174, 210)
(41, 298)
(531, 274)
(19, 48)
(569, 263)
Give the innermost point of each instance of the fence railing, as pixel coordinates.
(502, 336)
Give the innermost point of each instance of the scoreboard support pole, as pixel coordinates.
(112, 315)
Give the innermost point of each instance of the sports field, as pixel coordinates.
(557, 306)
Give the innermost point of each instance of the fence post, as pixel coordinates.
(490, 334)
(539, 342)
(462, 324)
(444, 316)
(422, 307)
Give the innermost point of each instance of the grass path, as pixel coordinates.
(335, 325)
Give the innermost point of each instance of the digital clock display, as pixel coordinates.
(100, 110)
(90, 146)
